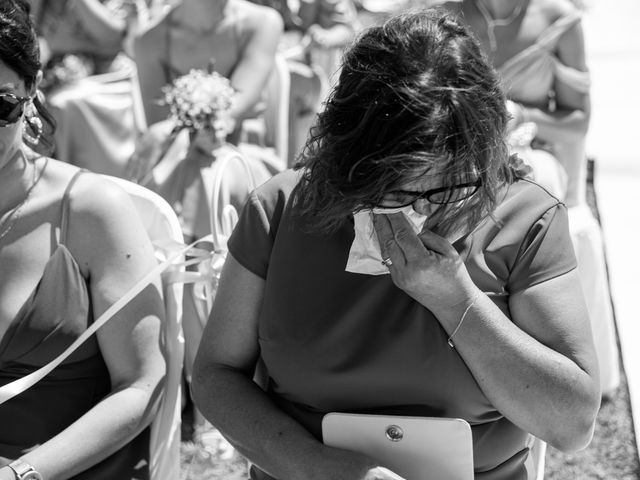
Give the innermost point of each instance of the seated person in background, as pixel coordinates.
(315, 35)
(67, 253)
(405, 267)
(537, 46)
(88, 82)
(236, 38)
(233, 38)
(327, 27)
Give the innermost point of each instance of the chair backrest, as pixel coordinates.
(276, 114)
(223, 218)
(163, 227)
(223, 215)
(271, 129)
(536, 460)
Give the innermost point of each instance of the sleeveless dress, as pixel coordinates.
(56, 313)
(162, 54)
(160, 59)
(528, 77)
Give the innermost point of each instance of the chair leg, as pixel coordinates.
(536, 461)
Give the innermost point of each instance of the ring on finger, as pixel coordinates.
(387, 262)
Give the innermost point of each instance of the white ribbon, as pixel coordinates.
(169, 257)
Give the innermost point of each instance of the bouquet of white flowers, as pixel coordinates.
(200, 100)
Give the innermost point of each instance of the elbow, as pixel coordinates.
(576, 131)
(205, 382)
(575, 430)
(583, 127)
(583, 119)
(573, 437)
(198, 383)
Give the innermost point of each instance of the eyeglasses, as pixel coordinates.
(439, 196)
(11, 108)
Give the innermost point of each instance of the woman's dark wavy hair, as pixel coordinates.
(414, 94)
(19, 50)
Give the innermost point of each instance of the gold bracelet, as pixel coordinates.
(464, 314)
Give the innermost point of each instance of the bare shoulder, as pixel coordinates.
(85, 189)
(105, 230)
(257, 17)
(95, 195)
(101, 213)
(556, 9)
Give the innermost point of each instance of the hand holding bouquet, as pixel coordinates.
(201, 101)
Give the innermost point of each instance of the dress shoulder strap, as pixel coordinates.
(64, 217)
(549, 38)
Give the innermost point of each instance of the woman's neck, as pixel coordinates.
(13, 179)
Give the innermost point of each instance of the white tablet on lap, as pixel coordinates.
(416, 448)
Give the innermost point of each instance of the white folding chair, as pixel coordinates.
(223, 217)
(535, 462)
(163, 228)
(277, 112)
(271, 130)
(98, 119)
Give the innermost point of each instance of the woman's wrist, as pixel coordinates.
(449, 314)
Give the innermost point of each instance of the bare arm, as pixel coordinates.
(101, 23)
(225, 393)
(251, 74)
(539, 368)
(329, 23)
(115, 252)
(570, 121)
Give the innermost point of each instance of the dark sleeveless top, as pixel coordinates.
(57, 312)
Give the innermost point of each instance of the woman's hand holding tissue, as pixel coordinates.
(425, 265)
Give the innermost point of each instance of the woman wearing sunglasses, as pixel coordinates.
(66, 253)
(406, 267)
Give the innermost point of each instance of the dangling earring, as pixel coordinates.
(32, 123)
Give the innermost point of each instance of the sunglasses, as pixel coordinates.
(11, 108)
(439, 196)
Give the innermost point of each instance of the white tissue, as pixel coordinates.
(365, 256)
